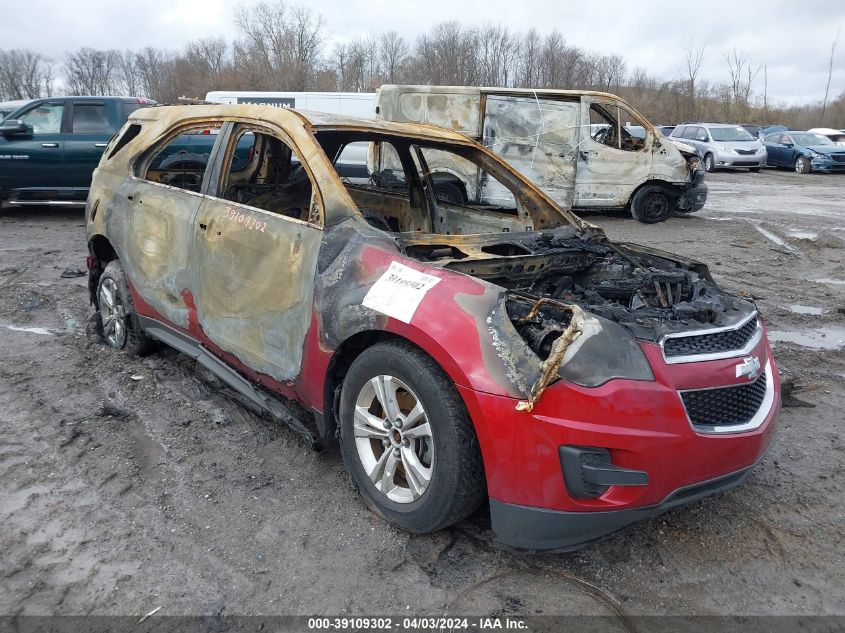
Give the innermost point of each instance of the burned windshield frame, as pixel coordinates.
(534, 204)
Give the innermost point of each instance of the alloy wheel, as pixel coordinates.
(113, 314)
(394, 439)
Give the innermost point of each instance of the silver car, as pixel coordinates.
(723, 146)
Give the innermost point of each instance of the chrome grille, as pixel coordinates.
(711, 343)
(726, 406)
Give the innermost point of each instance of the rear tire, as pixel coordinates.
(116, 319)
(652, 204)
(423, 472)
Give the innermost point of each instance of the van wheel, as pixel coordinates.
(116, 319)
(652, 204)
(709, 165)
(802, 165)
(407, 440)
(449, 192)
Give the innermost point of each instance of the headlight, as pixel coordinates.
(817, 155)
(611, 353)
(604, 351)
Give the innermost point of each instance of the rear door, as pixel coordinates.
(91, 125)
(774, 149)
(163, 198)
(35, 159)
(537, 136)
(257, 236)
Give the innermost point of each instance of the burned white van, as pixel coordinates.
(587, 150)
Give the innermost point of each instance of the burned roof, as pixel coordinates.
(290, 117)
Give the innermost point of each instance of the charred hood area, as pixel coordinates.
(648, 292)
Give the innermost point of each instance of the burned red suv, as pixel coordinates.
(462, 348)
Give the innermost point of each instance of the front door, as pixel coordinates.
(257, 239)
(35, 159)
(614, 159)
(539, 137)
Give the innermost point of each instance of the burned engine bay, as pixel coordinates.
(640, 289)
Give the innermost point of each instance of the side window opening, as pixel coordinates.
(181, 162)
(45, 118)
(616, 127)
(264, 172)
(130, 133)
(378, 183)
(89, 118)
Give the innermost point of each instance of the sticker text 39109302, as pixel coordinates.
(241, 218)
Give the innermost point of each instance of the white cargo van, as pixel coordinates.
(360, 104)
(625, 163)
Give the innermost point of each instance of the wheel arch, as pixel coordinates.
(100, 253)
(676, 191)
(352, 347)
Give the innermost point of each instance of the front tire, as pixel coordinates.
(709, 165)
(803, 165)
(116, 319)
(652, 204)
(407, 440)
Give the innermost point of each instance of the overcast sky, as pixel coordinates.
(792, 38)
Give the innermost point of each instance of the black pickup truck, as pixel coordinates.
(50, 147)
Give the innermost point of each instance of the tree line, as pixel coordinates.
(283, 48)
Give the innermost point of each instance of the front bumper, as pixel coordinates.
(532, 529)
(826, 164)
(642, 425)
(693, 199)
(725, 160)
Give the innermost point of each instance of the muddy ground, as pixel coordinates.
(127, 484)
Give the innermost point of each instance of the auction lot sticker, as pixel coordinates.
(399, 291)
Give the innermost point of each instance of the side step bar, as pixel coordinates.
(255, 394)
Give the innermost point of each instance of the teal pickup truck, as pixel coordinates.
(50, 147)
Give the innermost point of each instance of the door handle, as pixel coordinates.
(49, 144)
(101, 144)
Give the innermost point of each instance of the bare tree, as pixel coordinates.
(742, 79)
(393, 53)
(89, 71)
(127, 71)
(285, 43)
(829, 75)
(693, 56)
(24, 74)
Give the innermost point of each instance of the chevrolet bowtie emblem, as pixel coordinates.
(749, 367)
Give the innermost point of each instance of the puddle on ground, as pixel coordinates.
(797, 308)
(831, 337)
(829, 280)
(775, 239)
(32, 330)
(803, 235)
